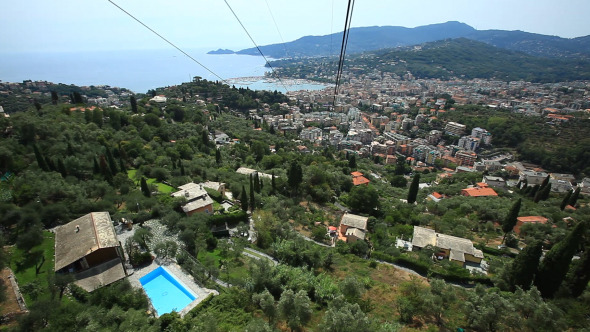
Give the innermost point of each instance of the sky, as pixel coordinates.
(90, 25)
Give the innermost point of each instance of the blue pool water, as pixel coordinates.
(166, 293)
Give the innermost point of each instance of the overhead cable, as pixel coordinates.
(258, 48)
(345, 34)
(166, 40)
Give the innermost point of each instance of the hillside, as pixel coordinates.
(364, 39)
(446, 59)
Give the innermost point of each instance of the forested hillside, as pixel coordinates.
(62, 161)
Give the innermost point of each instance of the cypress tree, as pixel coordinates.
(510, 220)
(352, 162)
(50, 164)
(413, 191)
(181, 168)
(217, 156)
(252, 199)
(533, 191)
(95, 167)
(554, 266)
(54, 97)
(244, 199)
(105, 170)
(579, 276)
(40, 160)
(144, 188)
(256, 182)
(545, 182)
(543, 193)
(122, 166)
(574, 198)
(273, 183)
(295, 176)
(111, 160)
(565, 200)
(61, 168)
(133, 104)
(524, 266)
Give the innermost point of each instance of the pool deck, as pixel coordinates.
(187, 280)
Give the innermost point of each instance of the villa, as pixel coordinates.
(457, 250)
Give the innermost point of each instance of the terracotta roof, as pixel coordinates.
(357, 181)
(357, 173)
(478, 192)
(535, 219)
(436, 195)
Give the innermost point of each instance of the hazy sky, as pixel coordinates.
(80, 25)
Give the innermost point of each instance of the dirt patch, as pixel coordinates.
(10, 309)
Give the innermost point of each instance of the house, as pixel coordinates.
(159, 99)
(482, 190)
(494, 181)
(221, 138)
(89, 248)
(436, 197)
(456, 249)
(352, 227)
(585, 186)
(528, 220)
(197, 199)
(358, 179)
(533, 177)
(217, 186)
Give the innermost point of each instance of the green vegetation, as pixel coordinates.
(108, 154)
(446, 59)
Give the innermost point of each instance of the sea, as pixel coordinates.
(142, 70)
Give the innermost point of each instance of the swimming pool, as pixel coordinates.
(166, 293)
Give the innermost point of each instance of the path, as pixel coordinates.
(257, 254)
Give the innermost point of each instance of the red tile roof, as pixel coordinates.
(478, 192)
(360, 180)
(356, 173)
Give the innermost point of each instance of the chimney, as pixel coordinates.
(77, 228)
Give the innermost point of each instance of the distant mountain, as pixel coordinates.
(221, 51)
(374, 38)
(446, 59)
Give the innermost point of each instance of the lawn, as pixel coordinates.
(25, 264)
(162, 187)
(236, 270)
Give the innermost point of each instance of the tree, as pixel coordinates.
(554, 266)
(574, 198)
(40, 160)
(352, 162)
(244, 199)
(511, 218)
(295, 176)
(413, 191)
(525, 265)
(217, 157)
(144, 188)
(343, 316)
(61, 168)
(565, 200)
(54, 98)
(579, 275)
(295, 308)
(399, 181)
(252, 198)
(489, 311)
(273, 183)
(363, 199)
(142, 237)
(133, 102)
(166, 249)
(267, 303)
(256, 182)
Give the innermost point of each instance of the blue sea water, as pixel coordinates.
(137, 70)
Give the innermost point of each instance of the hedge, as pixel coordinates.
(230, 218)
(425, 269)
(215, 195)
(494, 251)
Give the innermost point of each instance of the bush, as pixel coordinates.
(140, 258)
(231, 218)
(215, 195)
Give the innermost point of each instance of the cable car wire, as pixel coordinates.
(167, 41)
